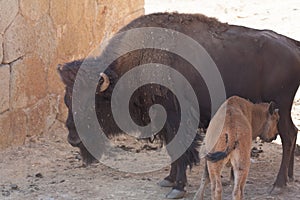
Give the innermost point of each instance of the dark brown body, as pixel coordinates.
(259, 65)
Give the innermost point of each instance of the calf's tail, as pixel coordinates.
(231, 144)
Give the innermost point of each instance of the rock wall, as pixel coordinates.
(35, 36)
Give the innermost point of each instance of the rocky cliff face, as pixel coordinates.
(36, 35)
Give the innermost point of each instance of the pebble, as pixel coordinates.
(14, 187)
(146, 179)
(39, 175)
(5, 193)
(127, 176)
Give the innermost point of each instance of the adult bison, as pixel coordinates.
(259, 65)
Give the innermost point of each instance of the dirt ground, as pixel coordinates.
(48, 168)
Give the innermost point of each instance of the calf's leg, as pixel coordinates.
(204, 182)
(241, 164)
(214, 170)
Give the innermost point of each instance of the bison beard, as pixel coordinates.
(259, 65)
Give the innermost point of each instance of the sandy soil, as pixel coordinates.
(48, 168)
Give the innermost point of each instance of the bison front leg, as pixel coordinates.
(87, 157)
(288, 134)
(170, 181)
(181, 180)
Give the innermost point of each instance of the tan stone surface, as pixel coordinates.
(4, 84)
(19, 39)
(55, 85)
(8, 11)
(58, 11)
(4, 130)
(18, 127)
(46, 39)
(53, 111)
(34, 9)
(13, 128)
(63, 110)
(37, 116)
(75, 43)
(1, 48)
(75, 11)
(35, 36)
(41, 115)
(28, 82)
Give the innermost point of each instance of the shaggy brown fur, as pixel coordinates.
(243, 122)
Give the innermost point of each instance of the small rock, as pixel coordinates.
(14, 187)
(5, 193)
(39, 175)
(146, 179)
(78, 157)
(127, 176)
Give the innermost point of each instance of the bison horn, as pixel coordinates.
(105, 83)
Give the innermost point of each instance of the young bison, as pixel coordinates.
(244, 121)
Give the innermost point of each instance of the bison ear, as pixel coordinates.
(66, 76)
(272, 107)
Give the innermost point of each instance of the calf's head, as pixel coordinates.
(269, 129)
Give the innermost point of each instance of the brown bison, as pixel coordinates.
(244, 121)
(259, 65)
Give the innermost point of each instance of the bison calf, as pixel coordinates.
(243, 122)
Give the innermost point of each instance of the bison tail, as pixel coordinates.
(231, 144)
(216, 156)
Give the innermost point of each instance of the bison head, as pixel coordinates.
(68, 73)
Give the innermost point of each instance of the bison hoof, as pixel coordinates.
(274, 190)
(166, 183)
(175, 194)
(291, 179)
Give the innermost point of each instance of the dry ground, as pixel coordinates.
(47, 168)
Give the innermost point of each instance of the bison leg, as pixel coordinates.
(288, 135)
(170, 181)
(181, 180)
(87, 157)
(291, 165)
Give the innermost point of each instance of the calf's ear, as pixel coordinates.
(272, 107)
